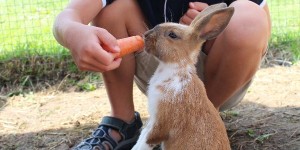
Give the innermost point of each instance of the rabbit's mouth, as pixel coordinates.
(150, 42)
(150, 46)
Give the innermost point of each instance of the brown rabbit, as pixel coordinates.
(181, 115)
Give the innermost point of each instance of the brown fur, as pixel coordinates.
(186, 119)
(192, 123)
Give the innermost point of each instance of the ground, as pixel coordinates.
(267, 118)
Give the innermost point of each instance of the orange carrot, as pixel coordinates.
(129, 45)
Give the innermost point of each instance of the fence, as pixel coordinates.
(285, 17)
(285, 41)
(26, 34)
(26, 25)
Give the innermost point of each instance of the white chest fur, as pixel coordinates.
(169, 77)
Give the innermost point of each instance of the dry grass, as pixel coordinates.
(36, 73)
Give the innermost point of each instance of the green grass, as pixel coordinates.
(29, 53)
(30, 58)
(26, 28)
(285, 26)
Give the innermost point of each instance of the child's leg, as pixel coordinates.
(235, 55)
(122, 19)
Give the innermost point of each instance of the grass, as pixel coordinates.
(26, 28)
(285, 27)
(29, 52)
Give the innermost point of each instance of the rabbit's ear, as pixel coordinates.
(212, 22)
(210, 9)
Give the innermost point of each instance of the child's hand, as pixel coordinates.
(85, 42)
(192, 12)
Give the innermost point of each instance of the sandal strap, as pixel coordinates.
(112, 122)
(101, 137)
(124, 128)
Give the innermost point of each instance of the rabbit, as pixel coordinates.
(181, 115)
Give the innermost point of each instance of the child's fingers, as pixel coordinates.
(189, 16)
(115, 64)
(100, 55)
(105, 61)
(128, 45)
(108, 40)
(199, 6)
(185, 20)
(192, 13)
(99, 67)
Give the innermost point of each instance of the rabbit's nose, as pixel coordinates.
(149, 32)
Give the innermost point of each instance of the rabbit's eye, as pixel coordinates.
(172, 35)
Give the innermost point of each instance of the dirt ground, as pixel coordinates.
(268, 117)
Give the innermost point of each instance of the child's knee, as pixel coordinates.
(248, 26)
(249, 16)
(121, 17)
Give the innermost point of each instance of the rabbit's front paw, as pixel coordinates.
(142, 146)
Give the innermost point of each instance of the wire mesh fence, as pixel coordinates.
(285, 40)
(29, 53)
(285, 17)
(25, 25)
(26, 34)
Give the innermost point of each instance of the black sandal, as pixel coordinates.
(100, 137)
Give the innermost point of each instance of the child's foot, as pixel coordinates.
(104, 137)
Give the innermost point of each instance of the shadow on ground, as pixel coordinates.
(249, 125)
(254, 126)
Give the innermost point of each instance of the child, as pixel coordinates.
(227, 64)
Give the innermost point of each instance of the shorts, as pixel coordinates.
(146, 65)
(159, 11)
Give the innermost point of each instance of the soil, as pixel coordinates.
(267, 118)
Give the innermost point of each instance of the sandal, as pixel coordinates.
(101, 137)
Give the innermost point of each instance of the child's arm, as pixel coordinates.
(71, 30)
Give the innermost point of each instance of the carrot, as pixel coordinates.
(129, 45)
